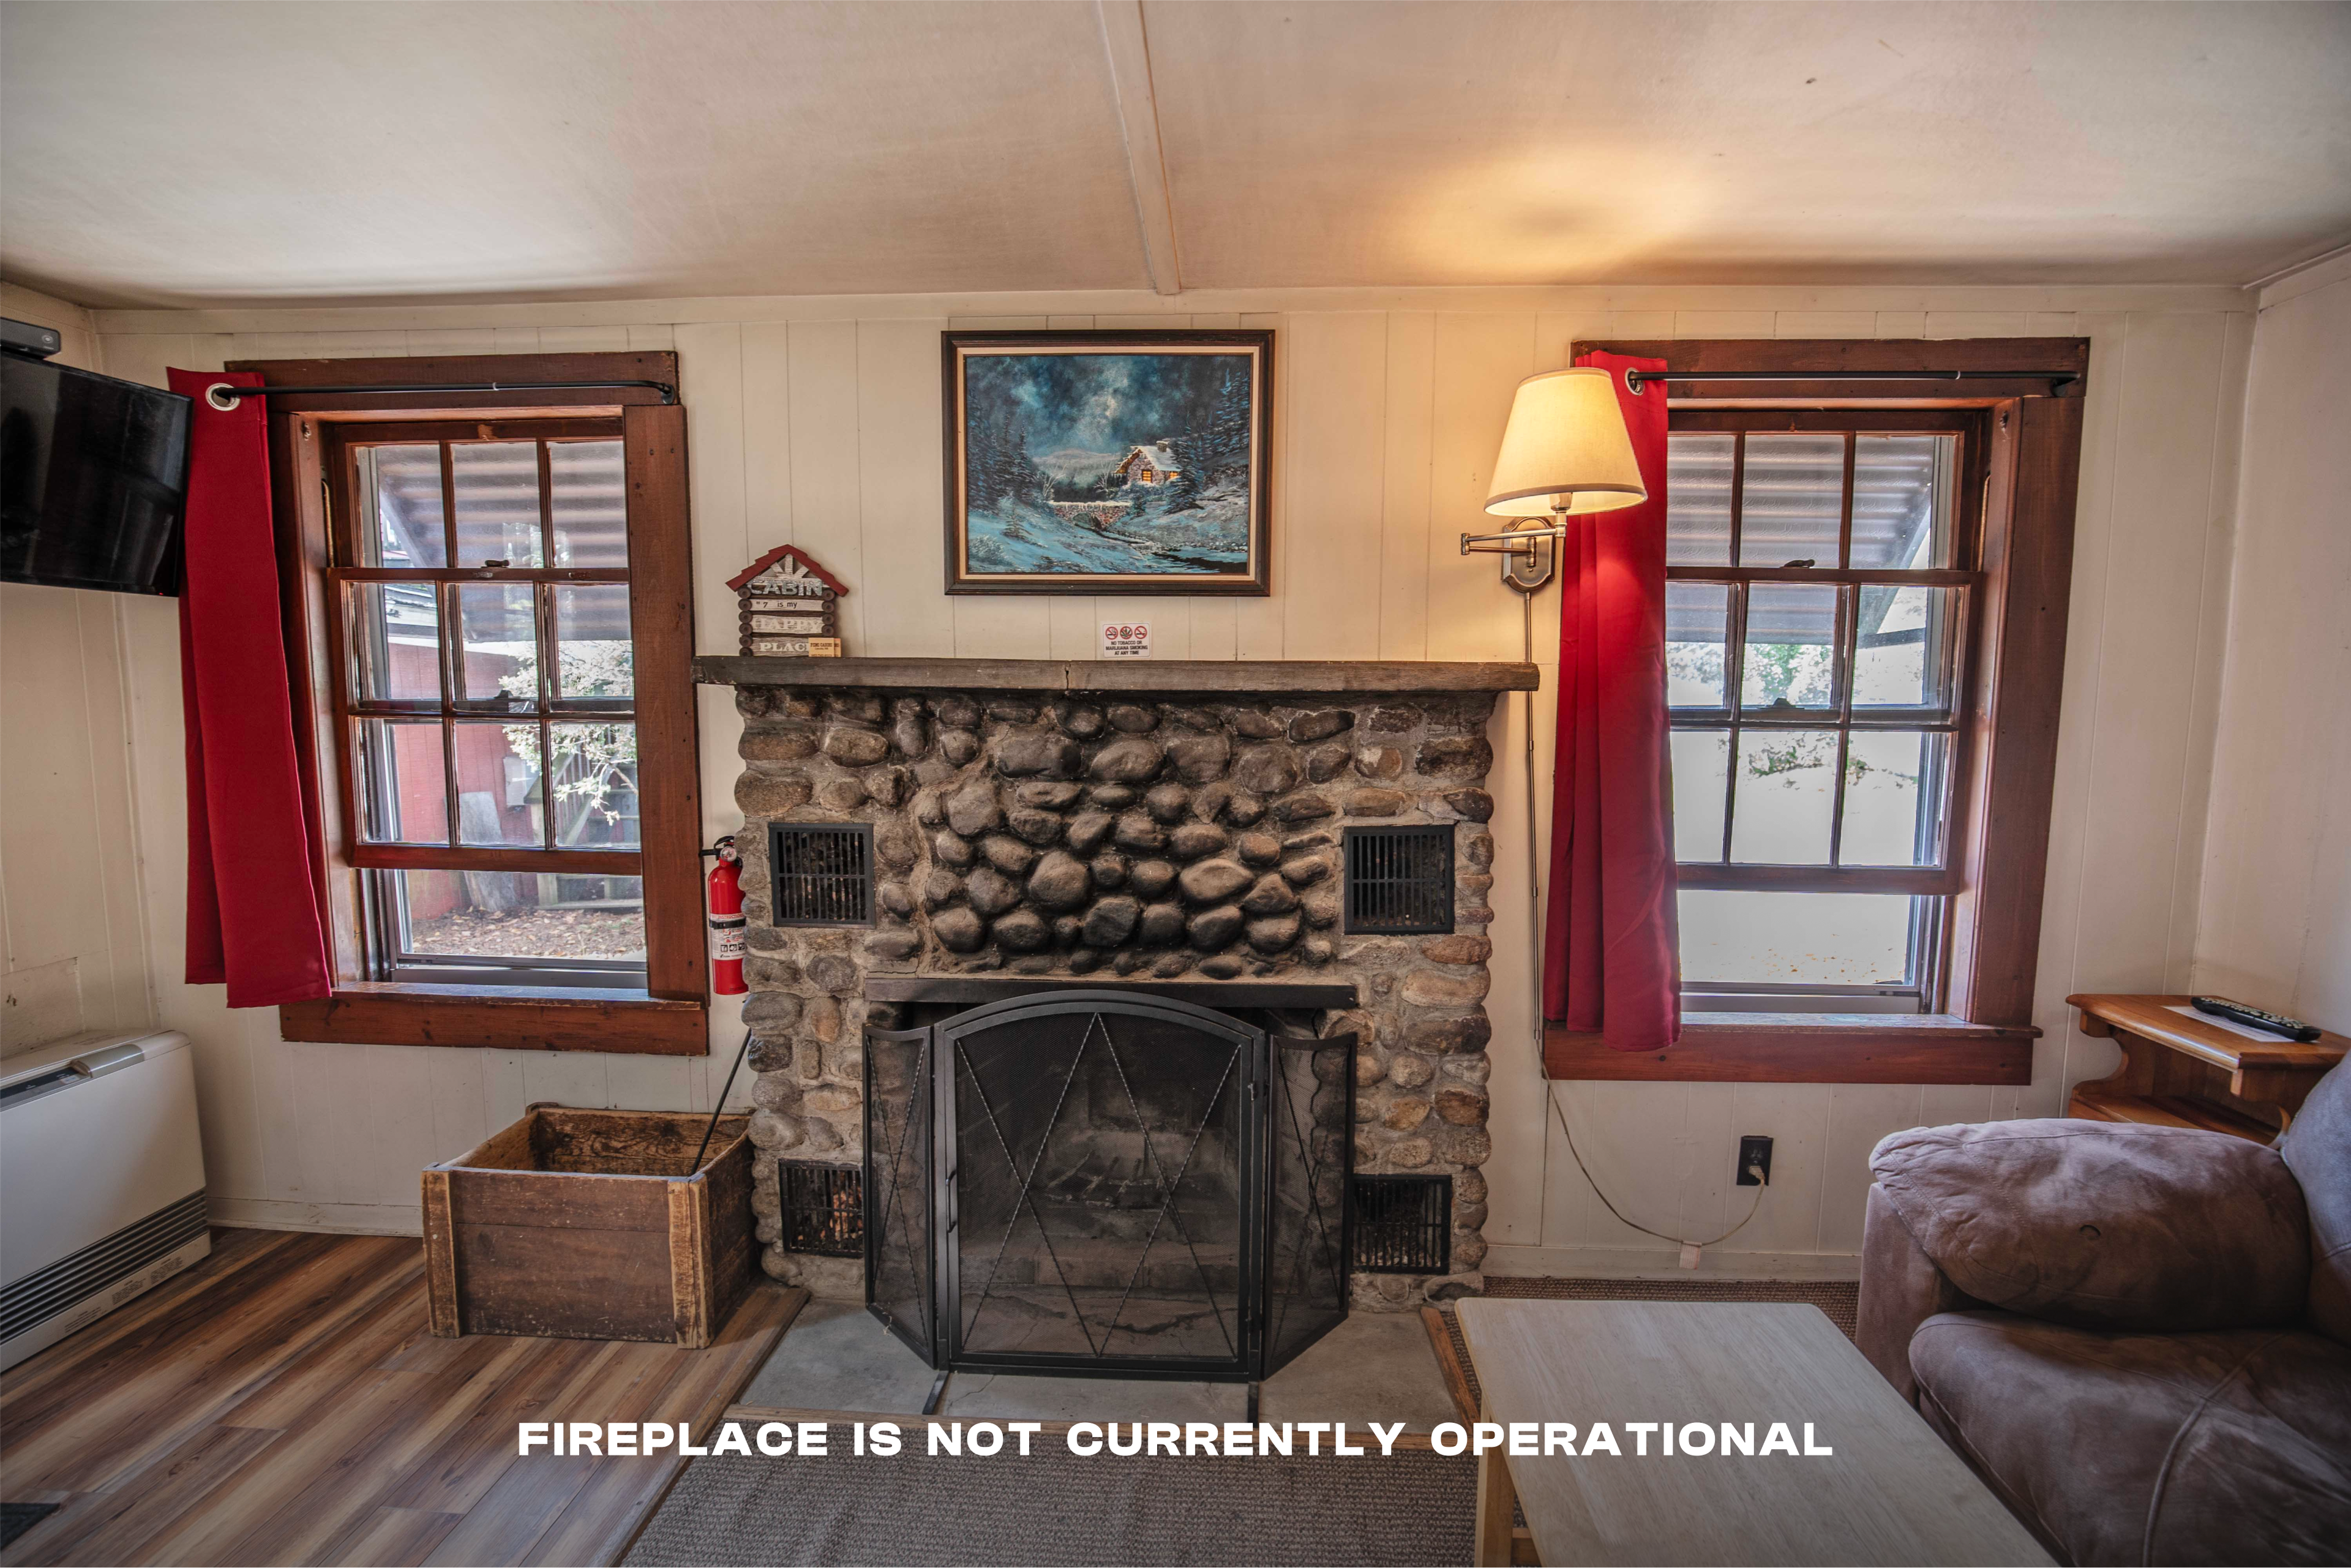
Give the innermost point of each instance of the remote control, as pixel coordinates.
(2221, 1008)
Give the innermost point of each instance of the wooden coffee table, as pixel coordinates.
(1891, 1493)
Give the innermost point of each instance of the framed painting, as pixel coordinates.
(1109, 461)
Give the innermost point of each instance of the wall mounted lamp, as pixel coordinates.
(1565, 452)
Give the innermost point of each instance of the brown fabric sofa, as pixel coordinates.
(2139, 1337)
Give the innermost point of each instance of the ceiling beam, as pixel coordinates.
(1129, 51)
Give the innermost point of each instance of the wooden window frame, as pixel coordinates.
(670, 1016)
(2005, 772)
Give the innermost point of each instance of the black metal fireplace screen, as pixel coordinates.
(1107, 1182)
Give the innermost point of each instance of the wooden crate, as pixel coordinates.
(586, 1225)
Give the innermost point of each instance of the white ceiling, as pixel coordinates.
(198, 153)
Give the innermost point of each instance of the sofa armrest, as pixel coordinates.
(2104, 1225)
(1900, 1288)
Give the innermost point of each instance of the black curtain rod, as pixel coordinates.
(222, 395)
(1637, 379)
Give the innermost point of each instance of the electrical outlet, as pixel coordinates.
(1754, 1154)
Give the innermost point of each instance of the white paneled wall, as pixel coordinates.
(2275, 925)
(73, 943)
(816, 421)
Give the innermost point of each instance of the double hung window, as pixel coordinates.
(480, 593)
(1822, 571)
(1866, 590)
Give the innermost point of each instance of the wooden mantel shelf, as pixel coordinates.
(1257, 678)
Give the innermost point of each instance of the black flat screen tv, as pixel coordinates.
(93, 479)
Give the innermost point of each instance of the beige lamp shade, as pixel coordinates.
(1565, 449)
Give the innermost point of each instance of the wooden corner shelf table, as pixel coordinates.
(2184, 1069)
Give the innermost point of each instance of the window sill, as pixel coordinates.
(1807, 1048)
(501, 1017)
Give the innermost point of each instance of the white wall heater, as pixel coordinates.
(101, 1181)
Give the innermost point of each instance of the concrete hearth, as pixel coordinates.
(1042, 823)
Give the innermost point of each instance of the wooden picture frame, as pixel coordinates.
(1063, 474)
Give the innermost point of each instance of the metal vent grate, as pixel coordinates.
(824, 1208)
(823, 872)
(1403, 1224)
(77, 1275)
(1400, 880)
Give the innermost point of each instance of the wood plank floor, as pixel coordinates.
(282, 1402)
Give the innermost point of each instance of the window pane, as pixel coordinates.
(1791, 646)
(512, 915)
(592, 651)
(1796, 939)
(400, 502)
(1786, 797)
(588, 503)
(498, 502)
(1893, 798)
(1697, 500)
(593, 770)
(395, 635)
(497, 627)
(1901, 501)
(1791, 500)
(498, 798)
(1698, 615)
(1701, 769)
(404, 785)
(1901, 656)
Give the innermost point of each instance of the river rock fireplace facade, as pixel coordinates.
(1139, 846)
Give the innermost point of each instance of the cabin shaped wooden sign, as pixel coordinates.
(791, 606)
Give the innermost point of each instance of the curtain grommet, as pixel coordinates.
(226, 405)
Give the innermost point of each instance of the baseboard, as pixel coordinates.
(1555, 1262)
(341, 1218)
(1663, 1263)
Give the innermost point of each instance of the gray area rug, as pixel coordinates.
(1055, 1508)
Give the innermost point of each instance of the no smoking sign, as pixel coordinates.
(1126, 639)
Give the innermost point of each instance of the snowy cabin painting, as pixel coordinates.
(1124, 462)
(1152, 465)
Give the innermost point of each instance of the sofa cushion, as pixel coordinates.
(2103, 1225)
(2229, 1446)
(2318, 1149)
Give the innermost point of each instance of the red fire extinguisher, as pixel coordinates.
(727, 920)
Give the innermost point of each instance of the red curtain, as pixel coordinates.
(253, 908)
(1611, 946)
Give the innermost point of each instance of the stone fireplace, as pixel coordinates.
(1161, 830)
